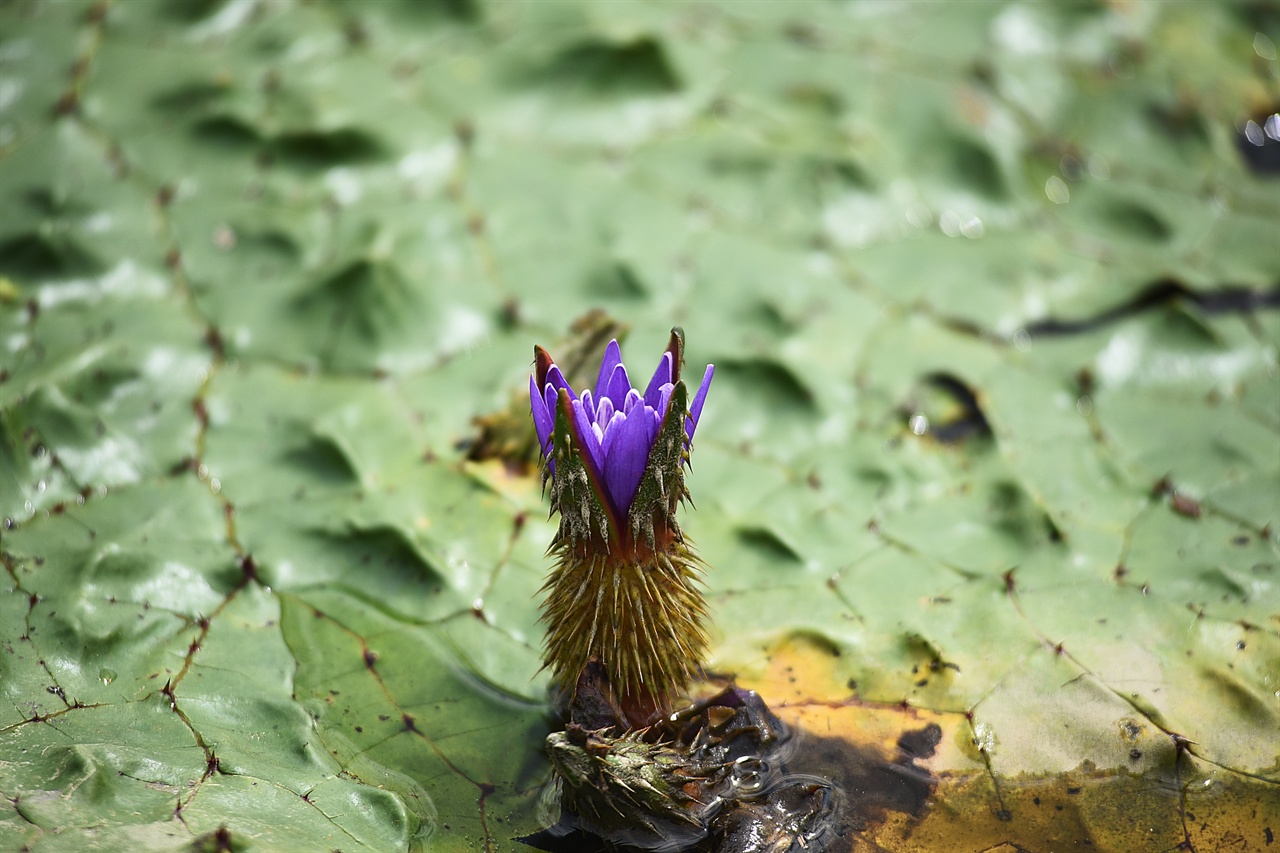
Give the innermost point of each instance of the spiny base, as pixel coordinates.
(711, 776)
(641, 618)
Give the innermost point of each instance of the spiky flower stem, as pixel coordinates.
(625, 590)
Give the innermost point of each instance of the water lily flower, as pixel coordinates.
(625, 591)
(615, 426)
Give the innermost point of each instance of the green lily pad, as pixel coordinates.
(992, 445)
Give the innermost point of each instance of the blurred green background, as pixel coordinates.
(991, 291)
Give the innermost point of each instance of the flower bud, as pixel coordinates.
(625, 590)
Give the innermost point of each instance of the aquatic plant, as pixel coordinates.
(625, 588)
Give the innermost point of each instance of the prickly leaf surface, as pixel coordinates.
(991, 292)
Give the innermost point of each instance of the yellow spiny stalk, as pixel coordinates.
(625, 590)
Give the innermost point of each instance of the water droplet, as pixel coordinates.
(1071, 167)
(949, 222)
(224, 238)
(1056, 189)
(749, 774)
(41, 485)
(344, 185)
(202, 471)
(1264, 46)
(215, 485)
(1022, 340)
(1099, 168)
(1254, 134)
(919, 216)
(1084, 405)
(972, 228)
(1271, 127)
(919, 424)
(107, 675)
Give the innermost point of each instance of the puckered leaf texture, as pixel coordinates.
(991, 289)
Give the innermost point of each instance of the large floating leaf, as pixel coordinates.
(990, 469)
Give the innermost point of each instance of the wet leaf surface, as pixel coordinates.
(994, 444)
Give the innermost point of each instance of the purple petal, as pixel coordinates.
(655, 424)
(556, 380)
(550, 396)
(542, 421)
(612, 358)
(586, 436)
(604, 412)
(618, 387)
(695, 411)
(632, 400)
(664, 399)
(610, 435)
(661, 376)
(589, 403)
(628, 453)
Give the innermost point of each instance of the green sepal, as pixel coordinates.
(662, 485)
(577, 490)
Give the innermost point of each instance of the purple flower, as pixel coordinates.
(624, 591)
(615, 425)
